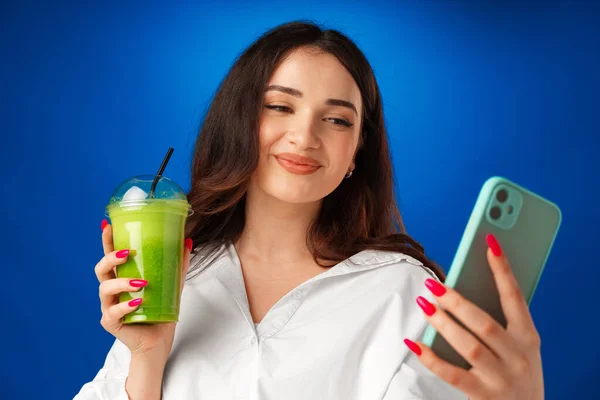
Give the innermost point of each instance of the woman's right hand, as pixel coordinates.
(154, 339)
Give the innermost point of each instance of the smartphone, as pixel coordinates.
(525, 224)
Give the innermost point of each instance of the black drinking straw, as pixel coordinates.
(160, 171)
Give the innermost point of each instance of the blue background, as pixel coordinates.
(94, 93)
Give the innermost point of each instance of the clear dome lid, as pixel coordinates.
(136, 192)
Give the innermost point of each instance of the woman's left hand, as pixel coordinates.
(506, 363)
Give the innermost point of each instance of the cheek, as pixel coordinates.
(269, 134)
(341, 148)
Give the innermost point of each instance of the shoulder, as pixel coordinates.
(206, 259)
(397, 279)
(392, 264)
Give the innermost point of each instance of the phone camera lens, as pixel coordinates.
(495, 212)
(502, 195)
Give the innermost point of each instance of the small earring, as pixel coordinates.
(348, 175)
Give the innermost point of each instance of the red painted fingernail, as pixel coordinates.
(104, 223)
(413, 346)
(427, 307)
(135, 302)
(435, 287)
(122, 253)
(494, 245)
(189, 244)
(138, 282)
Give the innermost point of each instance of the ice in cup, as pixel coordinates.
(152, 228)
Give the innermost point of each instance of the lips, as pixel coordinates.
(296, 164)
(298, 159)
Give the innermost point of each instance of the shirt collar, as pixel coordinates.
(225, 266)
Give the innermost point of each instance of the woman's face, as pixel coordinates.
(309, 128)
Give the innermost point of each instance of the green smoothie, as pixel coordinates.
(153, 231)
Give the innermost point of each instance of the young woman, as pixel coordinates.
(302, 283)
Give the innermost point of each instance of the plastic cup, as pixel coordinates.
(153, 230)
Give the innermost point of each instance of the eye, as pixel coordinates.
(278, 108)
(342, 122)
(285, 109)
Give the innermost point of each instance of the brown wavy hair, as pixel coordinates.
(360, 214)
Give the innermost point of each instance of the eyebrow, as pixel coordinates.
(297, 93)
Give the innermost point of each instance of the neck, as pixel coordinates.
(275, 231)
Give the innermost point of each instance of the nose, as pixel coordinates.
(304, 135)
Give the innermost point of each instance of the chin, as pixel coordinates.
(294, 188)
(294, 194)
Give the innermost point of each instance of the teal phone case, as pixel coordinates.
(526, 233)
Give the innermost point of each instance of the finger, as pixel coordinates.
(512, 300)
(486, 328)
(110, 288)
(112, 318)
(107, 238)
(463, 380)
(461, 340)
(104, 268)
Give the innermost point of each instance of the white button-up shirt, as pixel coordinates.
(338, 335)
